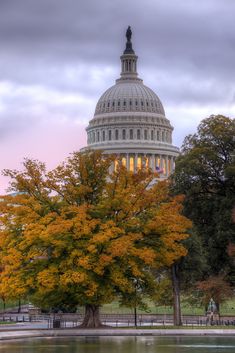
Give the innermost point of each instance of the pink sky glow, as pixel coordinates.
(51, 144)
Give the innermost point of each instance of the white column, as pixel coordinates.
(172, 164)
(152, 163)
(161, 164)
(167, 169)
(128, 161)
(135, 162)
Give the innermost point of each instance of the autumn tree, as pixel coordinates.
(80, 235)
(216, 287)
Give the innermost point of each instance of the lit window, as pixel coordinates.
(169, 166)
(124, 161)
(158, 162)
(115, 165)
(164, 165)
(147, 162)
(131, 164)
(139, 163)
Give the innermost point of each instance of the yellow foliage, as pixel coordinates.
(73, 277)
(92, 289)
(48, 278)
(80, 231)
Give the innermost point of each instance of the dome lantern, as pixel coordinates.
(129, 59)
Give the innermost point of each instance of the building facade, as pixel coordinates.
(130, 122)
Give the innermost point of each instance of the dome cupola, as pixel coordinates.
(130, 120)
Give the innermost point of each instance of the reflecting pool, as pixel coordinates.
(144, 344)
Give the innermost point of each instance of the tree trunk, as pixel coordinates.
(19, 306)
(92, 317)
(176, 295)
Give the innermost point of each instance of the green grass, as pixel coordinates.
(7, 322)
(11, 304)
(228, 308)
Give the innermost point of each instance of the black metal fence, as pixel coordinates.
(116, 320)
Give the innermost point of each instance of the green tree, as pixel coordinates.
(205, 173)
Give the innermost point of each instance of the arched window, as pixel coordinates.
(145, 134)
(138, 134)
(103, 135)
(110, 135)
(158, 136)
(152, 135)
(123, 134)
(131, 134)
(93, 137)
(116, 134)
(98, 136)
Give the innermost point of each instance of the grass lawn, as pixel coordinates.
(10, 304)
(228, 308)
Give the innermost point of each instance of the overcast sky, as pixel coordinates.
(58, 56)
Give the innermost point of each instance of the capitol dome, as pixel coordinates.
(129, 95)
(130, 121)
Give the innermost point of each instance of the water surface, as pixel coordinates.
(121, 345)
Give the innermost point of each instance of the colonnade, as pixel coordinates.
(164, 164)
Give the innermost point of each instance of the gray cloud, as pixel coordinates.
(58, 56)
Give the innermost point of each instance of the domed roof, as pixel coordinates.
(129, 95)
(130, 121)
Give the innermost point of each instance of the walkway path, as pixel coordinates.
(28, 333)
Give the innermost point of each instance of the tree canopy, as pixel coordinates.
(80, 235)
(205, 173)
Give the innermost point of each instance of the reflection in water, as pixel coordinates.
(145, 344)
